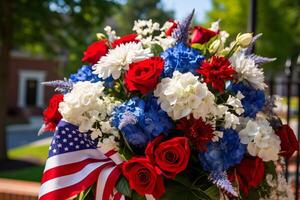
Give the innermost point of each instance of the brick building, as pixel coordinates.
(26, 95)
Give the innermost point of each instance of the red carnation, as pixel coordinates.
(249, 173)
(289, 143)
(171, 29)
(202, 35)
(217, 71)
(95, 51)
(171, 156)
(143, 75)
(198, 132)
(51, 114)
(125, 39)
(143, 177)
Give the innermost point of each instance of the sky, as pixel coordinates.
(184, 7)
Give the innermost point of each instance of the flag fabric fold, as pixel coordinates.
(75, 163)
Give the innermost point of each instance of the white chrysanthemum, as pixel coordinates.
(248, 70)
(119, 58)
(85, 105)
(261, 139)
(182, 95)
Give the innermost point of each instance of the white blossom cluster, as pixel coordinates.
(145, 30)
(260, 139)
(184, 94)
(119, 58)
(86, 104)
(280, 188)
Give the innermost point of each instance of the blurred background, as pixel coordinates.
(44, 40)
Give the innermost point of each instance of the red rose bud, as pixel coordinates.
(249, 173)
(143, 75)
(171, 156)
(125, 39)
(217, 71)
(51, 114)
(202, 35)
(170, 30)
(289, 143)
(95, 51)
(143, 177)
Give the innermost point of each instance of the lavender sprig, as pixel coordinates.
(222, 182)
(260, 60)
(181, 33)
(63, 86)
(257, 59)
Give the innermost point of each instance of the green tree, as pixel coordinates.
(48, 27)
(133, 10)
(278, 20)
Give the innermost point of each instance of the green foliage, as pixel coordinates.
(56, 28)
(134, 10)
(278, 20)
(156, 49)
(27, 174)
(123, 187)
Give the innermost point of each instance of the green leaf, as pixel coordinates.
(136, 196)
(201, 47)
(156, 49)
(183, 193)
(123, 187)
(213, 192)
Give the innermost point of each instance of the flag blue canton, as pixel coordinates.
(67, 138)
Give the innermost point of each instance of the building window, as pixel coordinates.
(31, 91)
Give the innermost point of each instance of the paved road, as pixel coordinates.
(23, 137)
(18, 135)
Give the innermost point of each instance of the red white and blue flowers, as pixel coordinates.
(185, 110)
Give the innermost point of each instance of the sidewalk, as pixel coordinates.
(15, 189)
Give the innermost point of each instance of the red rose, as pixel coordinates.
(171, 29)
(51, 114)
(143, 75)
(217, 71)
(124, 39)
(143, 177)
(95, 51)
(202, 35)
(249, 173)
(198, 132)
(289, 143)
(171, 156)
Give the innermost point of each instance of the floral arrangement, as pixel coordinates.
(186, 111)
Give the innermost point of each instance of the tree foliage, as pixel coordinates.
(134, 10)
(278, 20)
(58, 27)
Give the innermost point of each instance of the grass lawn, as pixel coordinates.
(31, 153)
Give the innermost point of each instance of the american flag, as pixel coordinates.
(75, 163)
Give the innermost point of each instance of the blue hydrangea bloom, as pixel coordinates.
(223, 154)
(135, 135)
(85, 73)
(141, 120)
(253, 101)
(155, 121)
(181, 58)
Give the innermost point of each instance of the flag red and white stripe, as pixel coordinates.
(69, 172)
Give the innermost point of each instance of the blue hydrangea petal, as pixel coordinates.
(181, 58)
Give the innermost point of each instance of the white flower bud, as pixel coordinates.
(100, 36)
(244, 40)
(214, 47)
